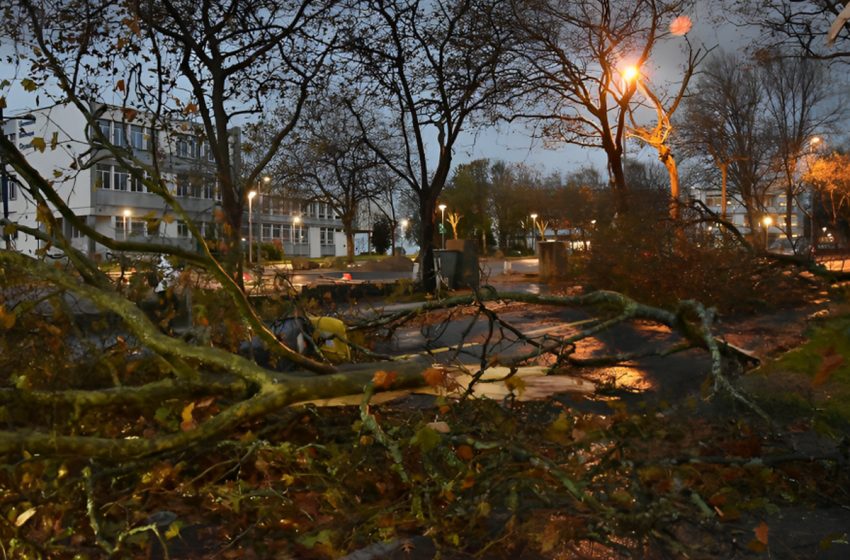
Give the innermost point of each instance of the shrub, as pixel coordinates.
(644, 255)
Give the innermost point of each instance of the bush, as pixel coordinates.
(642, 254)
(272, 251)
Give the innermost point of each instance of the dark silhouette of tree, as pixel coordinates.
(433, 67)
(382, 234)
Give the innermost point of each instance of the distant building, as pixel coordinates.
(774, 206)
(110, 200)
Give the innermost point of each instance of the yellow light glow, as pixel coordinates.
(631, 73)
(251, 195)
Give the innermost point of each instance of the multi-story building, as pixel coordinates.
(774, 207)
(117, 205)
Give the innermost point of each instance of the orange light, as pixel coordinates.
(631, 73)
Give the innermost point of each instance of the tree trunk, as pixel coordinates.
(669, 162)
(427, 207)
(617, 177)
(348, 228)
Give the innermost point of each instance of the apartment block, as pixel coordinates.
(58, 144)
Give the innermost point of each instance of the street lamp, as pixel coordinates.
(533, 229)
(251, 195)
(126, 215)
(630, 73)
(266, 181)
(442, 208)
(767, 221)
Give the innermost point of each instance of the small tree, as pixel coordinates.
(382, 234)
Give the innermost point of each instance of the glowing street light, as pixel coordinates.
(766, 221)
(126, 215)
(251, 195)
(442, 208)
(533, 229)
(630, 73)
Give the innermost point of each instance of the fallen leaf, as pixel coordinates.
(761, 532)
(384, 379)
(465, 452)
(435, 377)
(188, 422)
(24, 517)
(441, 427)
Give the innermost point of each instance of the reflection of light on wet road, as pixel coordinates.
(624, 377)
(534, 289)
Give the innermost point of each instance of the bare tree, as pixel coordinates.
(434, 67)
(332, 163)
(659, 135)
(797, 100)
(723, 126)
(800, 26)
(577, 52)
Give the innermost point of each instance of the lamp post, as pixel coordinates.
(767, 220)
(296, 221)
(533, 230)
(266, 180)
(814, 143)
(126, 215)
(442, 208)
(251, 195)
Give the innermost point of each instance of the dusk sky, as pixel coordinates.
(514, 143)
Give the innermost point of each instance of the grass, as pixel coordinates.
(812, 379)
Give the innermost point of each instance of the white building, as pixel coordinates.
(774, 206)
(110, 200)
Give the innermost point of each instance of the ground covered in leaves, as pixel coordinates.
(474, 479)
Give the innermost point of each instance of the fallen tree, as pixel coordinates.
(252, 393)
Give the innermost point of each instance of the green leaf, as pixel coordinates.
(324, 537)
(426, 439)
(29, 85)
(54, 141)
(39, 144)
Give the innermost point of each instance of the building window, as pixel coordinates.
(137, 137)
(714, 201)
(136, 227)
(208, 188)
(184, 186)
(299, 235)
(136, 183)
(326, 236)
(183, 229)
(75, 232)
(103, 176)
(266, 232)
(187, 146)
(105, 128)
(12, 187)
(121, 179)
(119, 135)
